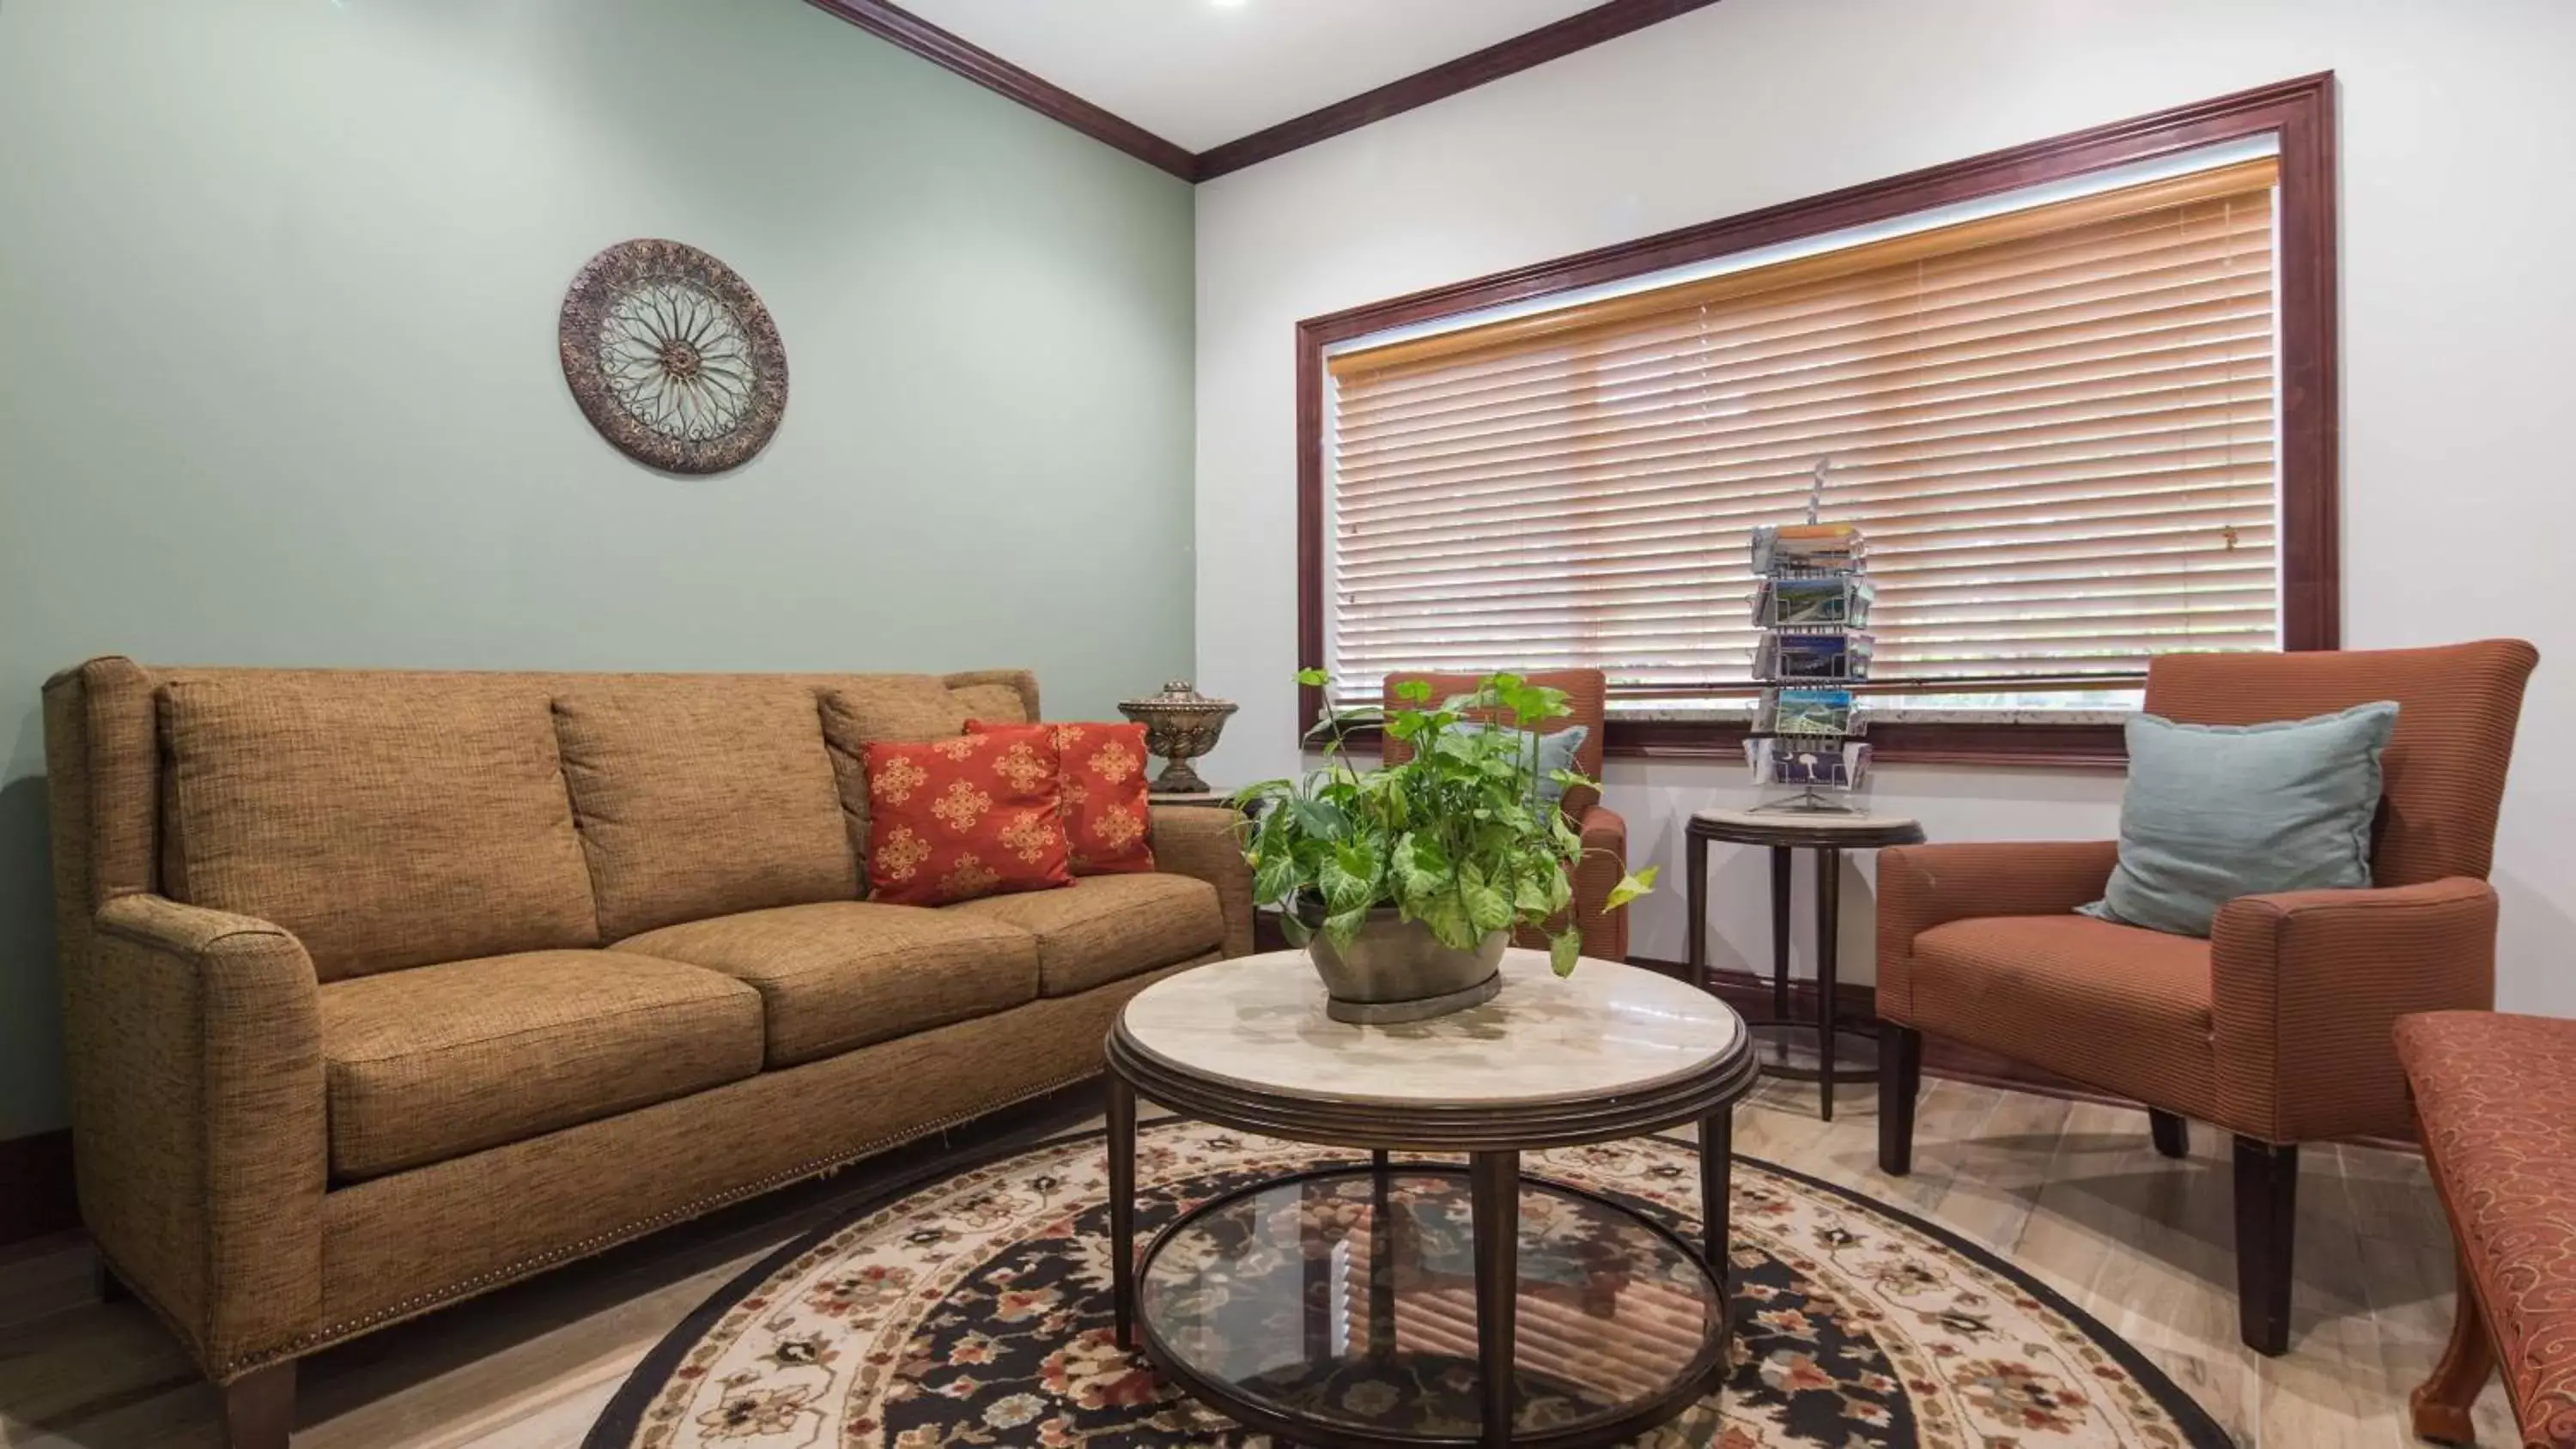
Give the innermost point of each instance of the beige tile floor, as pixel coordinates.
(2071, 1191)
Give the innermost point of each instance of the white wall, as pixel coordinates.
(2457, 310)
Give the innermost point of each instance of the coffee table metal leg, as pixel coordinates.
(1716, 1172)
(1494, 1189)
(1122, 1206)
(1829, 900)
(1385, 1243)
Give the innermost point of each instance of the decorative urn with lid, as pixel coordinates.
(1181, 724)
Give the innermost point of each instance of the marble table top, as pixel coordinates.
(1259, 1022)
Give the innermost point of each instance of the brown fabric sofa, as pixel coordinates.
(383, 988)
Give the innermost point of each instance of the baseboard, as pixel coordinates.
(36, 1194)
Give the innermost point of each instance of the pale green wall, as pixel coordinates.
(278, 383)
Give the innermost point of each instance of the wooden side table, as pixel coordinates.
(1800, 1050)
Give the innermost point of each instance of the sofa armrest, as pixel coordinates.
(1605, 860)
(1206, 842)
(2306, 990)
(1922, 886)
(201, 1141)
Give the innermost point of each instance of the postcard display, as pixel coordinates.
(1812, 605)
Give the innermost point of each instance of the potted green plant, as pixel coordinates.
(1406, 882)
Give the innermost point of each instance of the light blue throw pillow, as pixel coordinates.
(2214, 812)
(1555, 752)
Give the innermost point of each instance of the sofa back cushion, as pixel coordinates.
(860, 710)
(386, 819)
(702, 795)
(1003, 696)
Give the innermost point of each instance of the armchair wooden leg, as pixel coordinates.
(1900, 1081)
(259, 1408)
(2442, 1402)
(2172, 1134)
(2267, 1213)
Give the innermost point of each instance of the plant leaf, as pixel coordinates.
(1421, 868)
(1563, 950)
(1348, 877)
(1321, 819)
(1313, 678)
(1446, 915)
(1631, 886)
(1343, 927)
(1276, 879)
(1488, 909)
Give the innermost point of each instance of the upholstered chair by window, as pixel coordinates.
(2277, 1027)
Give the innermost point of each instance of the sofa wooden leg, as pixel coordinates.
(2172, 1134)
(2267, 1212)
(259, 1408)
(2442, 1402)
(1900, 1082)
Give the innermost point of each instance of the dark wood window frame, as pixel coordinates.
(2298, 114)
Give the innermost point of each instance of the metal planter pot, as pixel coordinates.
(1396, 970)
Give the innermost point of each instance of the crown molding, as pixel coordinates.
(1579, 31)
(949, 51)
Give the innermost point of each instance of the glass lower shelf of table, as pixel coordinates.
(1343, 1303)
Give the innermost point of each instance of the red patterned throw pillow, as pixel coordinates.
(974, 815)
(1105, 817)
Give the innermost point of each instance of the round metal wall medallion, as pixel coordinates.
(672, 357)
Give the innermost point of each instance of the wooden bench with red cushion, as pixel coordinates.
(2496, 1098)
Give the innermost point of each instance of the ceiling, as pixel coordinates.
(1203, 72)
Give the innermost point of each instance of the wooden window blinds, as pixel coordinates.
(2057, 426)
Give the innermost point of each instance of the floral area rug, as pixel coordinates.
(976, 1312)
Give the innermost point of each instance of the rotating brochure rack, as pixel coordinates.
(1812, 606)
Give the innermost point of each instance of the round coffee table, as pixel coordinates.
(1406, 1303)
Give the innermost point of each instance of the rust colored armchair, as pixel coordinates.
(1605, 835)
(2276, 1028)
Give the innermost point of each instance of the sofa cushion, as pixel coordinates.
(860, 710)
(1004, 696)
(1103, 927)
(386, 820)
(905, 708)
(847, 973)
(438, 1061)
(702, 796)
(2213, 812)
(972, 816)
(1100, 772)
(2117, 1007)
